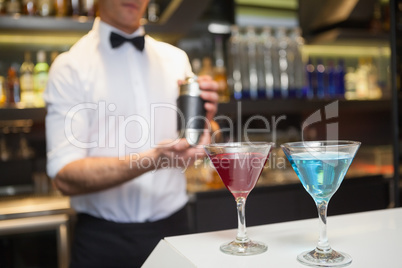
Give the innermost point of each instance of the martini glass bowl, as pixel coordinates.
(239, 165)
(321, 167)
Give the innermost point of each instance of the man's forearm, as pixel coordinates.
(99, 173)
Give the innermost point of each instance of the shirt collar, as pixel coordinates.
(104, 30)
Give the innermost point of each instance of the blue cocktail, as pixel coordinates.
(321, 167)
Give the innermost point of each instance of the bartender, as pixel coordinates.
(112, 142)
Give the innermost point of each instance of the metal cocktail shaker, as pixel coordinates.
(191, 112)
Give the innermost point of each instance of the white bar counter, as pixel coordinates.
(373, 239)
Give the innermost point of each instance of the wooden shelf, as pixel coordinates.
(292, 106)
(245, 107)
(35, 114)
(45, 24)
(175, 21)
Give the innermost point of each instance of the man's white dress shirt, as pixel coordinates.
(105, 102)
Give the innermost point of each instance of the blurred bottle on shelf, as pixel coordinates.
(13, 7)
(320, 77)
(75, 8)
(45, 8)
(260, 68)
(367, 86)
(219, 71)
(213, 181)
(202, 176)
(13, 94)
(263, 64)
(297, 83)
(374, 91)
(2, 91)
(3, 8)
(267, 57)
(27, 80)
(88, 8)
(291, 69)
(234, 63)
(283, 45)
(332, 79)
(327, 79)
(362, 88)
(244, 67)
(330, 85)
(384, 74)
(29, 7)
(62, 8)
(251, 74)
(350, 83)
(310, 73)
(153, 11)
(206, 68)
(340, 79)
(41, 70)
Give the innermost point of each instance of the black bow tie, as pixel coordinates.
(117, 40)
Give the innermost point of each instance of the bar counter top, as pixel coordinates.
(373, 239)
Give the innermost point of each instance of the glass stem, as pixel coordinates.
(323, 244)
(241, 216)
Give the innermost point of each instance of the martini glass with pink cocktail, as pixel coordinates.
(239, 165)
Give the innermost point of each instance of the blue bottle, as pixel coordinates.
(340, 79)
(310, 87)
(320, 76)
(331, 78)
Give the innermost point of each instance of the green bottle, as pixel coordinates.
(27, 80)
(41, 71)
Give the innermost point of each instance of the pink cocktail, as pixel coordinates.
(239, 171)
(240, 165)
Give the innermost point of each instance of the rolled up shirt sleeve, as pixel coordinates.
(66, 119)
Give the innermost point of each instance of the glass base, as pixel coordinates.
(328, 259)
(244, 249)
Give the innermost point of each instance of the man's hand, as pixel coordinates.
(179, 153)
(209, 94)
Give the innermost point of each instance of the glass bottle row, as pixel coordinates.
(265, 63)
(271, 63)
(23, 85)
(45, 8)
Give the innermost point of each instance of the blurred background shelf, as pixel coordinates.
(291, 106)
(245, 107)
(23, 23)
(34, 114)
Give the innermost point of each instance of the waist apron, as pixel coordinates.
(100, 243)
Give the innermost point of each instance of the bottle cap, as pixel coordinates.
(41, 56)
(190, 87)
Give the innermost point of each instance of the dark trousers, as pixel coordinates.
(100, 243)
